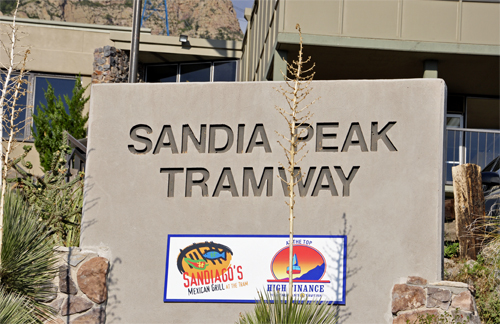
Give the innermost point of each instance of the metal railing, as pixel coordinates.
(466, 145)
(77, 158)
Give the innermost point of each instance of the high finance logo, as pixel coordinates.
(308, 266)
(207, 263)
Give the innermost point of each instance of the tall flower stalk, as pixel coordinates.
(297, 88)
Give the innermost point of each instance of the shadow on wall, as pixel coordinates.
(88, 204)
(351, 272)
(113, 301)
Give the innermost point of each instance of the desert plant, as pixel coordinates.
(296, 116)
(52, 120)
(451, 249)
(483, 275)
(15, 309)
(28, 259)
(58, 203)
(279, 309)
(445, 318)
(13, 87)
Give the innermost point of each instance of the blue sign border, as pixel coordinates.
(245, 301)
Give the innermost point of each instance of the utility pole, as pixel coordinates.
(136, 35)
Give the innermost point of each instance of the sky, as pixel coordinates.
(239, 7)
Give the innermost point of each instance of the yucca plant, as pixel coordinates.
(15, 308)
(28, 259)
(279, 309)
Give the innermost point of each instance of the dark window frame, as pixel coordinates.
(30, 100)
(178, 78)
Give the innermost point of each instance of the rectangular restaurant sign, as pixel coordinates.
(232, 268)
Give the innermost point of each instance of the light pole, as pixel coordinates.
(136, 35)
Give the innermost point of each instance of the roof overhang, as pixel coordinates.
(466, 68)
(164, 49)
(389, 44)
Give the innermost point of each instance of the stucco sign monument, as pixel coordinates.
(181, 176)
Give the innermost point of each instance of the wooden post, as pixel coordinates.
(469, 206)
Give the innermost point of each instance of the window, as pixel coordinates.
(36, 85)
(162, 73)
(195, 72)
(218, 71)
(61, 86)
(454, 148)
(476, 112)
(224, 71)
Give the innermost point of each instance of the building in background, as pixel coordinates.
(456, 40)
(60, 51)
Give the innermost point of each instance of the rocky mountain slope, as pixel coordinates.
(214, 19)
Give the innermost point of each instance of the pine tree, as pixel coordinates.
(52, 120)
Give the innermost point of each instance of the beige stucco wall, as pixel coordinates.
(368, 18)
(430, 21)
(424, 20)
(31, 157)
(481, 23)
(55, 49)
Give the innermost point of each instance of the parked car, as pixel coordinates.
(491, 187)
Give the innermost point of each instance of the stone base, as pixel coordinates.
(80, 291)
(418, 298)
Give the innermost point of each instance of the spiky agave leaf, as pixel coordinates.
(28, 261)
(277, 309)
(16, 309)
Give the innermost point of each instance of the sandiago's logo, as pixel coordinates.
(207, 266)
(308, 269)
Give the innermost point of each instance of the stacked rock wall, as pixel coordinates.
(110, 65)
(80, 291)
(418, 297)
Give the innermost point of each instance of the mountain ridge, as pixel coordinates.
(213, 19)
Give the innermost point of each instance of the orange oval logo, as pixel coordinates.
(204, 259)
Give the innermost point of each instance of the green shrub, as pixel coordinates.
(15, 309)
(52, 120)
(28, 262)
(7, 7)
(485, 277)
(89, 3)
(484, 274)
(446, 318)
(451, 249)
